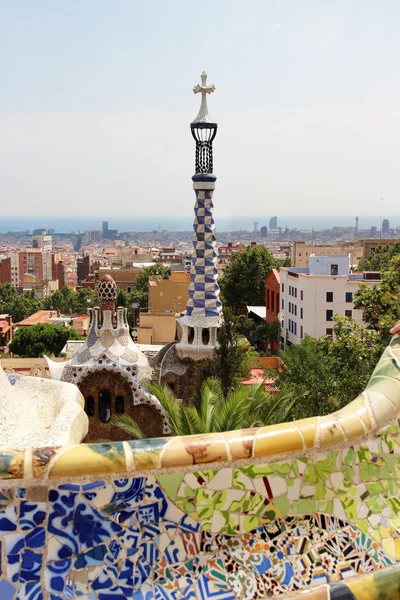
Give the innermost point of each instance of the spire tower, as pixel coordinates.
(198, 328)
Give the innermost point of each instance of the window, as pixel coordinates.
(129, 290)
(295, 310)
(348, 313)
(89, 406)
(329, 315)
(301, 294)
(301, 331)
(334, 269)
(272, 302)
(283, 304)
(119, 405)
(190, 335)
(104, 406)
(205, 336)
(295, 328)
(295, 292)
(290, 290)
(301, 312)
(283, 287)
(267, 299)
(329, 331)
(329, 296)
(349, 296)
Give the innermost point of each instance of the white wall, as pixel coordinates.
(309, 312)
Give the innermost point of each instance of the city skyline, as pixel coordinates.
(96, 102)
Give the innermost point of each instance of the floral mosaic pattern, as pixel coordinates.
(234, 533)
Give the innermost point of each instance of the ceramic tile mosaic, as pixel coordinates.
(246, 532)
(313, 505)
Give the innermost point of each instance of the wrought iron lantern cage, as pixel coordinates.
(204, 135)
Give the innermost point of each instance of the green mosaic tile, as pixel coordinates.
(304, 506)
(171, 483)
(323, 468)
(256, 470)
(281, 468)
(310, 474)
(283, 504)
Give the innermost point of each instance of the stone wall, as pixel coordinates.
(308, 506)
(147, 417)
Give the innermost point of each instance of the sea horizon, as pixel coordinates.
(183, 223)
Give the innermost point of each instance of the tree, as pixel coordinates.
(233, 356)
(243, 280)
(140, 292)
(69, 301)
(41, 339)
(380, 303)
(380, 259)
(19, 306)
(326, 374)
(246, 406)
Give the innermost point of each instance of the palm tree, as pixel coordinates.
(246, 406)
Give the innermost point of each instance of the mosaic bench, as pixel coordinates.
(308, 509)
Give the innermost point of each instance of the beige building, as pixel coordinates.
(369, 245)
(169, 295)
(301, 251)
(310, 297)
(124, 277)
(156, 328)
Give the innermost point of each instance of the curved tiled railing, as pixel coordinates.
(242, 514)
(368, 412)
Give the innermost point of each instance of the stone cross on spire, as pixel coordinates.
(204, 89)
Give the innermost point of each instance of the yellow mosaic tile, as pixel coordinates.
(41, 458)
(318, 593)
(381, 407)
(195, 449)
(88, 459)
(241, 443)
(12, 464)
(278, 439)
(146, 453)
(352, 425)
(330, 431)
(364, 588)
(308, 428)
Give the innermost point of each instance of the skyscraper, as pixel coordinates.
(385, 226)
(273, 223)
(356, 228)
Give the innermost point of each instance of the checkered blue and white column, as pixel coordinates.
(198, 328)
(204, 289)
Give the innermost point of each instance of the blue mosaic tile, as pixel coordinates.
(7, 590)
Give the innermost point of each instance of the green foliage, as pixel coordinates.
(41, 339)
(380, 303)
(246, 406)
(69, 302)
(326, 374)
(18, 306)
(233, 357)
(243, 280)
(380, 259)
(140, 292)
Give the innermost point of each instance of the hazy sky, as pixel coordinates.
(96, 101)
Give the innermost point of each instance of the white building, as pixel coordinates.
(45, 242)
(310, 297)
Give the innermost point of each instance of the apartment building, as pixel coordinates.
(310, 297)
(301, 251)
